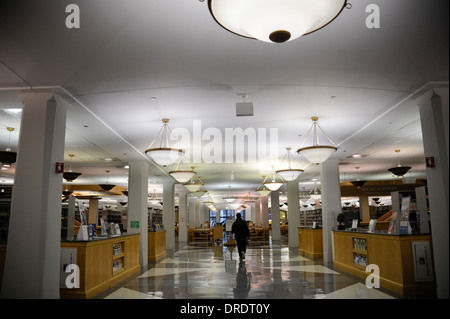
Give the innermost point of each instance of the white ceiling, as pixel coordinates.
(357, 80)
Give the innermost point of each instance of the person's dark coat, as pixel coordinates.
(240, 229)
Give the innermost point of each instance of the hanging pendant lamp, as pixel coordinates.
(107, 187)
(153, 199)
(399, 170)
(182, 175)
(275, 183)
(8, 157)
(358, 183)
(194, 184)
(229, 198)
(163, 154)
(289, 174)
(70, 176)
(274, 21)
(262, 188)
(317, 153)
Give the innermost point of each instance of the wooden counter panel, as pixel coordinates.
(156, 245)
(392, 254)
(95, 260)
(310, 242)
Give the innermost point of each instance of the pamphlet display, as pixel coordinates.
(83, 233)
(404, 216)
(372, 225)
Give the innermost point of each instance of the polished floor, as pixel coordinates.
(271, 270)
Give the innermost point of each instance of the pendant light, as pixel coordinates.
(194, 184)
(317, 153)
(7, 157)
(163, 154)
(262, 188)
(399, 170)
(107, 187)
(274, 21)
(229, 198)
(274, 184)
(182, 175)
(315, 193)
(358, 183)
(70, 176)
(153, 199)
(289, 174)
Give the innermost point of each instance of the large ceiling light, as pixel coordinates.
(163, 154)
(107, 186)
(70, 176)
(8, 157)
(182, 175)
(275, 183)
(194, 184)
(274, 20)
(289, 174)
(262, 188)
(317, 153)
(399, 170)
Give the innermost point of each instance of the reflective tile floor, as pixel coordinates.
(269, 271)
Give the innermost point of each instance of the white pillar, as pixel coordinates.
(275, 203)
(434, 106)
(258, 212)
(293, 213)
(364, 208)
(137, 217)
(191, 212)
(169, 213)
(331, 204)
(183, 216)
(265, 211)
(34, 237)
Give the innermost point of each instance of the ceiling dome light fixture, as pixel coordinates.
(163, 155)
(399, 170)
(194, 184)
(274, 21)
(316, 153)
(7, 157)
(358, 183)
(69, 175)
(289, 174)
(107, 187)
(262, 188)
(183, 175)
(274, 184)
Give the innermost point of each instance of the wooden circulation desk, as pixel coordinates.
(103, 262)
(394, 256)
(156, 245)
(310, 242)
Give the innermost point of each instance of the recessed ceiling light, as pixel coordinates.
(153, 98)
(108, 159)
(356, 155)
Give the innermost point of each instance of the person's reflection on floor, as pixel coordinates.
(242, 282)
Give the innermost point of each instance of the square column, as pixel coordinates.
(34, 238)
(265, 211)
(331, 204)
(433, 107)
(169, 213)
(275, 203)
(138, 206)
(183, 216)
(293, 213)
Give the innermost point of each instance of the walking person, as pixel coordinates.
(241, 234)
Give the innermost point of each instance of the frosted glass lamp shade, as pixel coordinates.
(317, 154)
(273, 186)
(289, 175)
(182, 176)
(164, 156)
(274, 21)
